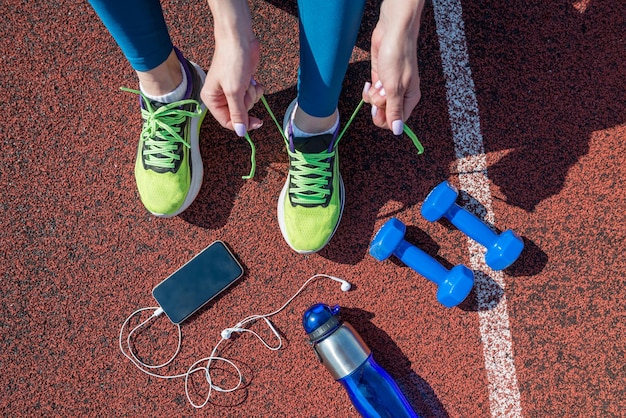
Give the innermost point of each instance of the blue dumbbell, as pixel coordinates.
(454, 284)
(502, 249)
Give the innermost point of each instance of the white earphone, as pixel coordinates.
(345, 286)
(225, 334)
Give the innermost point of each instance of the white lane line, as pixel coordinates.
(504, 395)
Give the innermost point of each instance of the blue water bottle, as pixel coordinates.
(346, 356)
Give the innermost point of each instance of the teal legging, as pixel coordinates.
(328, 31)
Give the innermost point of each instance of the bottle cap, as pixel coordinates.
(320, 320)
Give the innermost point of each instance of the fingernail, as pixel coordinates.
(378, 84)
(240, 129)
(374, 110)
(366, 87)
(382, 92)
(257, 125)
(253, 82)
(397, 127)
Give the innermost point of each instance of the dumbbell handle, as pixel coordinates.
(471, 225)
(421, 262)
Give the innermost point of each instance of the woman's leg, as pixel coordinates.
(140, 30)
(328, 32)
(168, 168)
(311, 203)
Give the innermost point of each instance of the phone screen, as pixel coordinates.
(197, 282)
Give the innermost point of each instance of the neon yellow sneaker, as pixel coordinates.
(311, 202)
(168, 168)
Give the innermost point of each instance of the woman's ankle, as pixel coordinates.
(162, 79)
(312, 124)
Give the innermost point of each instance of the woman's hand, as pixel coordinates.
(395, 88)
(230, 90)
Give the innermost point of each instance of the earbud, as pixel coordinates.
(227, 333)
(345, 286)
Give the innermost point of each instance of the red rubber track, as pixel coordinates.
(79, 253)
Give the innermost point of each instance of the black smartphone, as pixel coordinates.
(200, 280)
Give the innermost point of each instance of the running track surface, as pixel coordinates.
(523, 109)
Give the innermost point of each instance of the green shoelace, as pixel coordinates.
(310, 172)
(309, 175)
(408, 132)
(162, 128)
(161, 133)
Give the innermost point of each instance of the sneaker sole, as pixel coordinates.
(197, 170)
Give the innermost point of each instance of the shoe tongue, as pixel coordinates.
(314, 144)
(155, 105)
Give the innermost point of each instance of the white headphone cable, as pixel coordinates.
(225, 335)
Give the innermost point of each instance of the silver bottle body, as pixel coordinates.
(343, 351)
